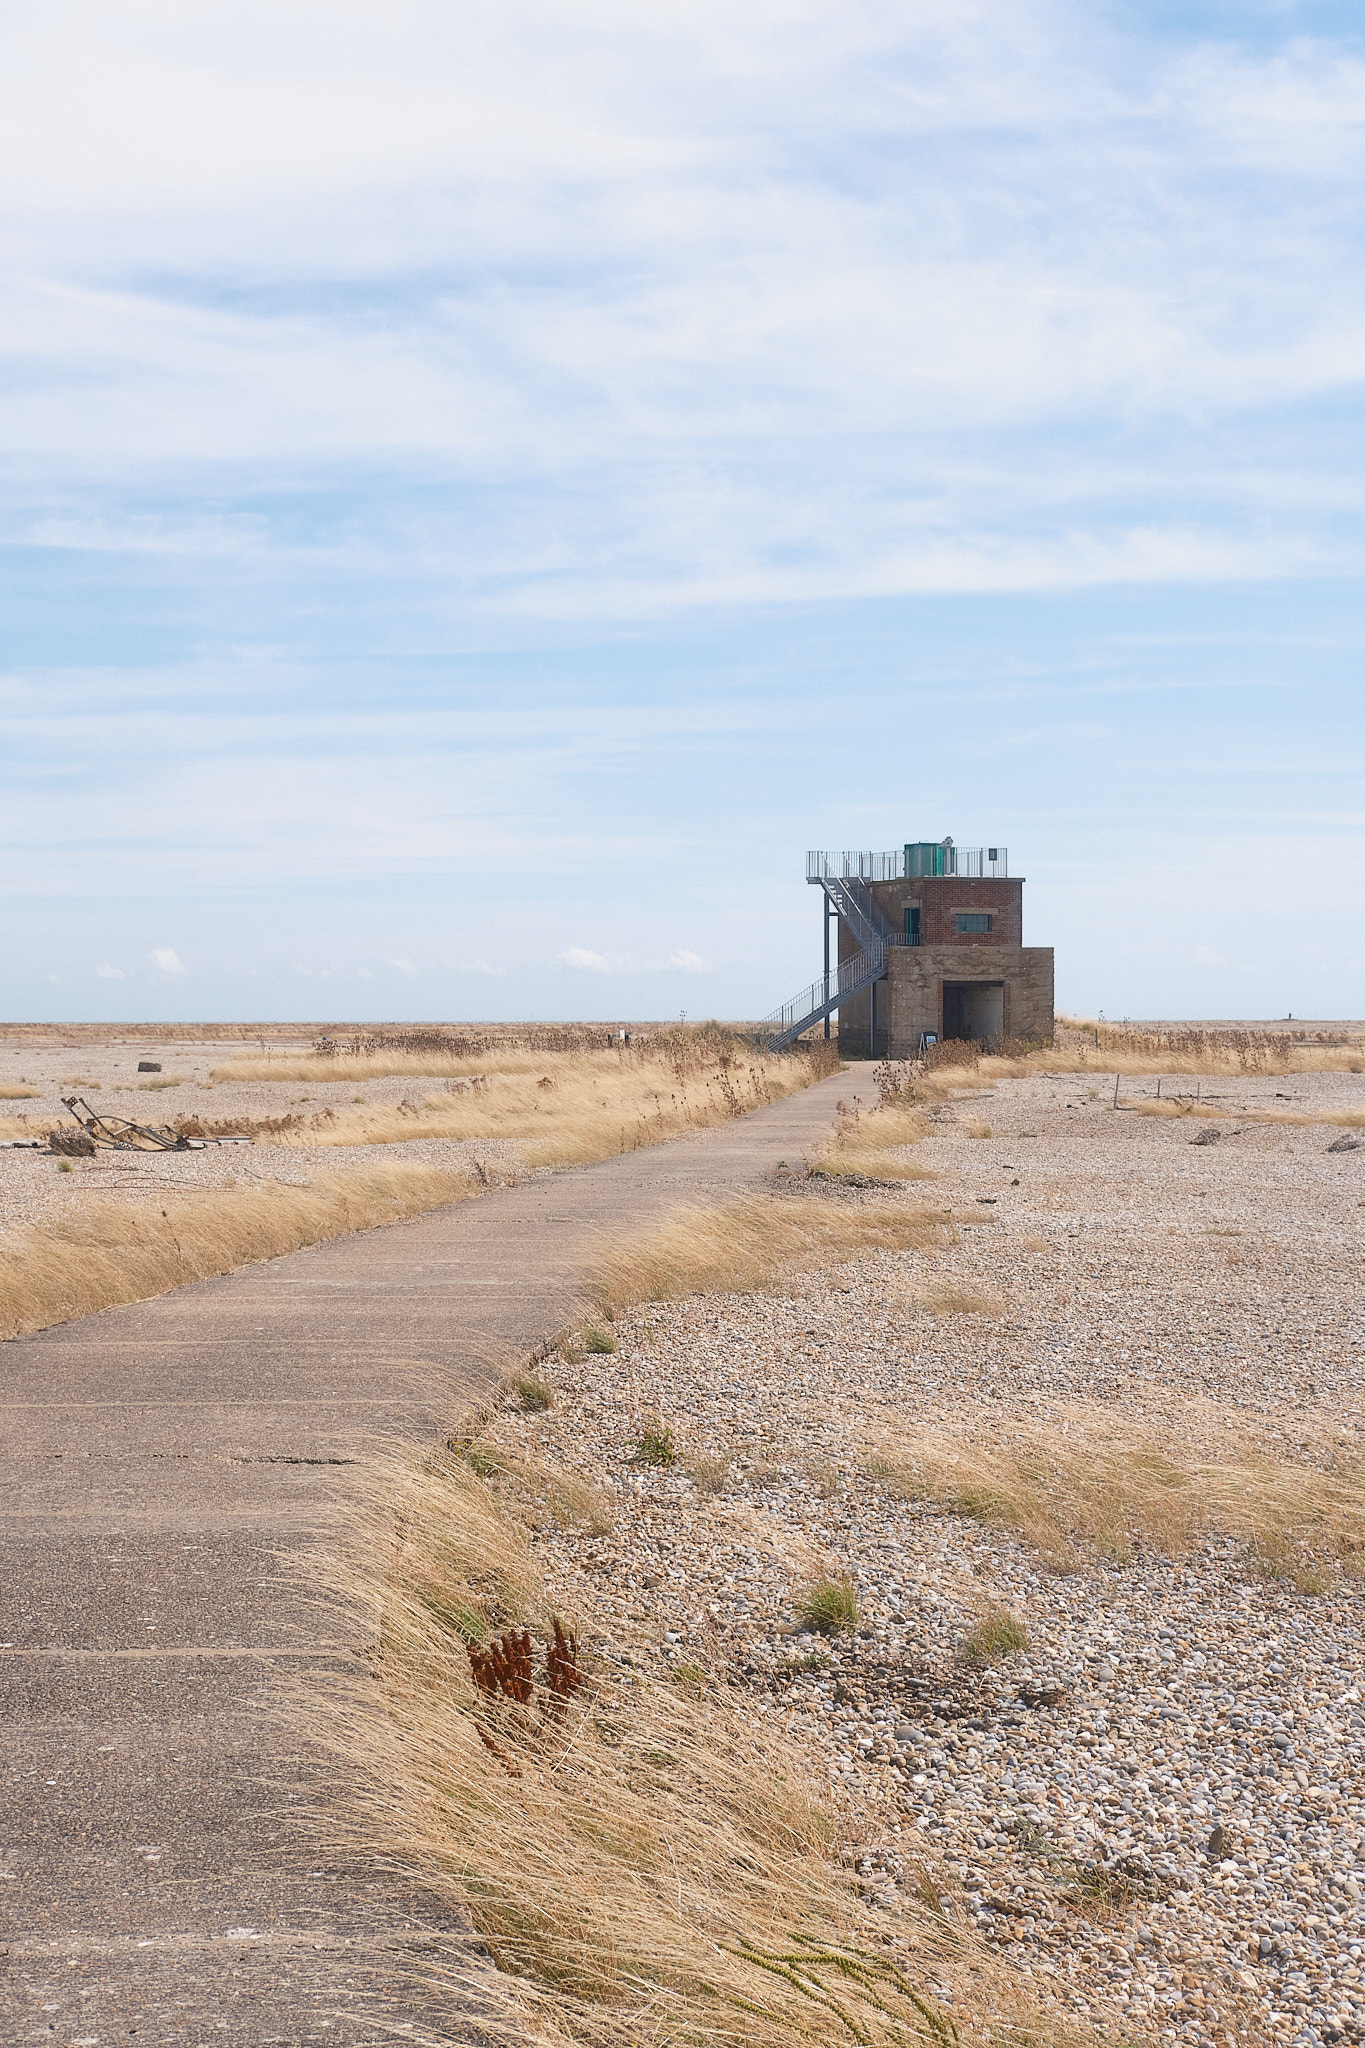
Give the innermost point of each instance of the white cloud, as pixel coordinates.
(407, 968)
(579, 956)
(167, 962)
(821, 300)
(111, 973)
(688, 963)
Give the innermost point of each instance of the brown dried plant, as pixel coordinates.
(643, 1861)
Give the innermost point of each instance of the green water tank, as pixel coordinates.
(924, 857)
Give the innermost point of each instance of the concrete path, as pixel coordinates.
(166, 1468)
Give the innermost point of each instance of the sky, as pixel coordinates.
(485, 488)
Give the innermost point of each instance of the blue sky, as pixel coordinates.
(487, 487)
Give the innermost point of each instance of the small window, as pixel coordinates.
(973, 920)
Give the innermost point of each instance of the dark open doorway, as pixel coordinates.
(974, 1009)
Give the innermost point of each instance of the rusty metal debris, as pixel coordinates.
(111, 1133)
(114, 1134)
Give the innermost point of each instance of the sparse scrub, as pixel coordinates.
(8, 1094)
(828, 1605)
(161, 1081)
(954, 1066)
(598, 1340)
(536, 1394)
(1210, 1114)
(998, 1636)
(543, 1053)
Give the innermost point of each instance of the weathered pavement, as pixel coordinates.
(167, 1468)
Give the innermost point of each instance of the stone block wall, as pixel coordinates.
(910, 998)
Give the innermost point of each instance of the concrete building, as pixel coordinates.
(930, 945)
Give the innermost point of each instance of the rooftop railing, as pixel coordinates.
(908, 863)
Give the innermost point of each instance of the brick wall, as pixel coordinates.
(939, 898)
(910, 999)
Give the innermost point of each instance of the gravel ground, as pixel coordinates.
(34, 1190)
(1156, 1808)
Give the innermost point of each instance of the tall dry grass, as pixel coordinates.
(109, 1253)
(562, 1109)
(651, 1865)
(1086, 1476)
(874, 1142)
(741, 1245)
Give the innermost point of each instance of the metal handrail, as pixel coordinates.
(852, 975)
(964, 863)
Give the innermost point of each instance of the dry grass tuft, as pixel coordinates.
(536, 1394)
(874, 1142)
(951, 1298)
(9, 1094)
(110, 1253)
(743, 1244)
(1087, 1476)
(828, 1605)
(998, 1636)
(708, 1474)
(657, 1445)
(648, 1863)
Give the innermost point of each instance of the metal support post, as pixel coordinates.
(825, 900)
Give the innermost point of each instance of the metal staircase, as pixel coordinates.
(857, 908)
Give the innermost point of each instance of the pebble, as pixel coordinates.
(1155, 1811)
(34, 1191)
